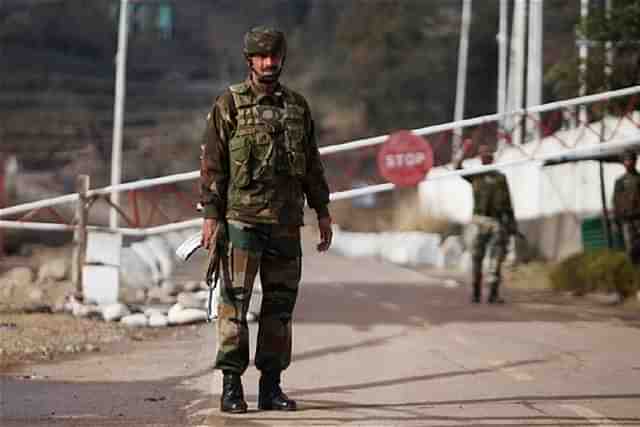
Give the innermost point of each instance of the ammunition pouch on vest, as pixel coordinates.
(267, 141)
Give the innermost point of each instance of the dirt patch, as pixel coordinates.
(39, 337)
(30, 331)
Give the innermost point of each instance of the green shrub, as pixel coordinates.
(601, 270)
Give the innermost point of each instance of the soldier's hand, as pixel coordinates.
(326, 233)
(208, 231)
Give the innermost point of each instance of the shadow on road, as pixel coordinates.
(364, 306)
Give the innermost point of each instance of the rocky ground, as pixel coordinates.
(33, 289)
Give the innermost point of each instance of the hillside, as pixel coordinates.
(367, 68)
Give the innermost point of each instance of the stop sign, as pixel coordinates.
(405, 158)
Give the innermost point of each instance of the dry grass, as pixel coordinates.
(530, 276)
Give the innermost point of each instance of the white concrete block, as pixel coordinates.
(103, 248)
(100, 284)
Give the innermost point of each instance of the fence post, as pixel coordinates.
(80, 233)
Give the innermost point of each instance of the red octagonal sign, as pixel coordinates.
(405, 158)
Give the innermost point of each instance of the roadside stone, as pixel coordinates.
(153, 311)
(53, 270)
(71, 349)
(81, 310)
(191, 300)
(91, 348)
(138, 320)
(159, 295)
(115, 312)
(158, 321)
(183, 316)
(174, 309)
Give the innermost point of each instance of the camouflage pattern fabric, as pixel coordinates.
(626, 205)
(275, 251)
(491, 197)
(492, 237)
(261, 159)
(264, 41)
(631, 234)
(626, 196)
(494, 217)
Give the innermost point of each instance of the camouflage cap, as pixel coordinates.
(628, 155)
(264, 40)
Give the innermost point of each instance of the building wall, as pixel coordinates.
(549, 202)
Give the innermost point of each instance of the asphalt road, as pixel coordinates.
(374, 345)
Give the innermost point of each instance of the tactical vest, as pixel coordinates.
(626, 196)
(490, 194)
(267, 141)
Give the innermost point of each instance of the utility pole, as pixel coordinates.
(118, 111)
(462, 70)
(502, 69)
(516, 69)
(534, 64)
(583, 54)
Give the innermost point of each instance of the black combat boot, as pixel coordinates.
(494, 295)
(232, 399)
(270, 395)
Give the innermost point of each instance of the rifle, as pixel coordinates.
(216, 260)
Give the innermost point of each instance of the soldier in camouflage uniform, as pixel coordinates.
(494, 218)
(626, 205)
(260, 163)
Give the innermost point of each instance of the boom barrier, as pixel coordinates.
(522, 115)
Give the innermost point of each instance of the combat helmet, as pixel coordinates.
(264, 40)
(628, 155)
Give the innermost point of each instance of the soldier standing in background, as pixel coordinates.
(493, 215)
(626, 205)
(260, 163)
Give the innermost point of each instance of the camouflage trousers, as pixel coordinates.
(274, 251)
(492, 239)
(631, 235)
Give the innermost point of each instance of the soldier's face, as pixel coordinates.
(266, 68)
(629, 164)
(485, 154)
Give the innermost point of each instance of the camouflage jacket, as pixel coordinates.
(491, 196)
(260, 159)
(626, 196)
